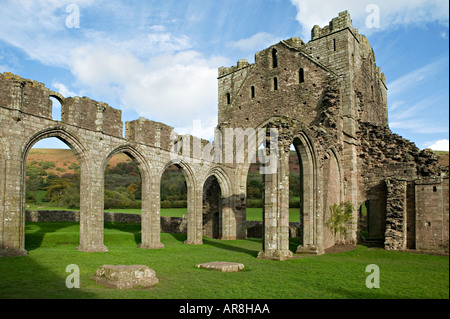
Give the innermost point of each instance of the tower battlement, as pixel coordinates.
(343, 21)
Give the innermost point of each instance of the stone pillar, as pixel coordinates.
(194, 216)
(240, 202)
(228, 219)
(12, 236)
(92, 208)
(395, 236)
(150, 213)
(276, 212)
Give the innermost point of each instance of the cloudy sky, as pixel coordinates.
(159, 59)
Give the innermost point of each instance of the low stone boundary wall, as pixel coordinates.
(255, 229)
(171, 225)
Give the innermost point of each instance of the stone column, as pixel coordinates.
(194, 216)
(276, 212)
(12, 236)
(150, 214)
(92, 208)
(228, 219)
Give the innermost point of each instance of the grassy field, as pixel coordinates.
(52, 246)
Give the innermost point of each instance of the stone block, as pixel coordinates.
(222, 266)
(125, 277)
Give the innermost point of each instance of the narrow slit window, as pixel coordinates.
(334, 45)
(56, 109)
(301, 75)
(275, 84)
(274, 58)
(253, 94)
(228, 98)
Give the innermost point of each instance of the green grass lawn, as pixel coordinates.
(52, 247)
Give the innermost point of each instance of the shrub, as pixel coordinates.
(339, 217)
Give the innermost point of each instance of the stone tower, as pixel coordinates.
(323, 96)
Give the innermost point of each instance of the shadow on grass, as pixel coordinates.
(293, 242)
(224, 245)
(35, 239)
(32, 280)
(179, 237)
(133, 229)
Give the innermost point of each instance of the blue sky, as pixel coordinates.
(159, 59)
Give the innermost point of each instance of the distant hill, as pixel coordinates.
(443, 157)
(63, 158)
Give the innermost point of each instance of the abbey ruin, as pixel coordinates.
(326, 97)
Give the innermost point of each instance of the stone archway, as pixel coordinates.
(276, 202)
(150, 215)
(212, 208)
(91, 225)
(223, 202)
(194, 201)
(310, 205)
(332, 193)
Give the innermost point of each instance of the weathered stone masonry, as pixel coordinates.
(326, 97)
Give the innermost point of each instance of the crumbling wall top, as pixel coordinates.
(343, 21)
(242, 63)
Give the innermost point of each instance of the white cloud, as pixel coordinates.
(200, 128)
(441, 145)
(256, 42)
(144, 68)
(392, 13)
(417, 126)
(174, 88)
(62, 89)
(415, 77)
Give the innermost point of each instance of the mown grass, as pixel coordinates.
(52, 246)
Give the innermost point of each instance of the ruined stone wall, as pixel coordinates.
(290, 98)
(341, 49)
(328, 85)
(432, 214)
(404, 195)
(94, 131)
(395, 237)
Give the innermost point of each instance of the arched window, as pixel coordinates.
(301, 75)
(274, 58)
(56, 108)
(275, 84)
